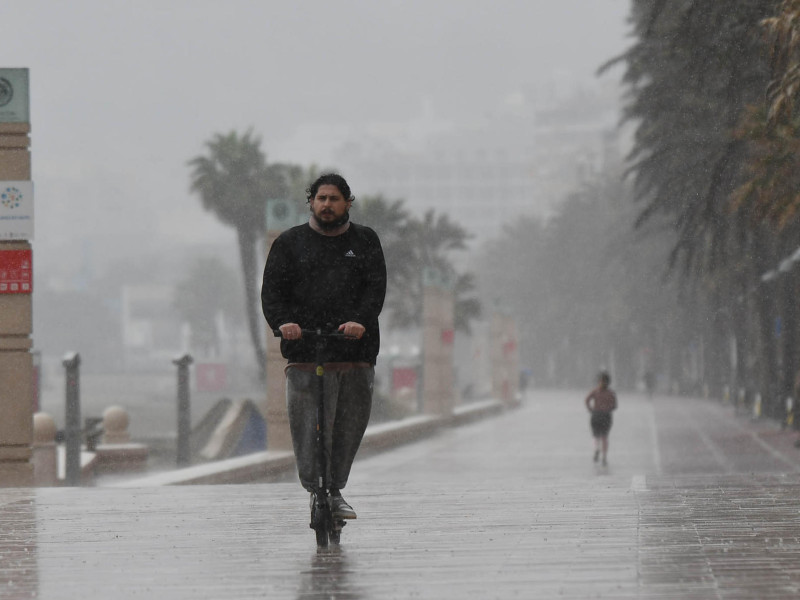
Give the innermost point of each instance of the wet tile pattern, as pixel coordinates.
(731, 536)
(696, 503)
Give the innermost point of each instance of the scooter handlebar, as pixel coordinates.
(313, 332)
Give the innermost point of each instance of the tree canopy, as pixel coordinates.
(693, 69)
(234, 182)
(411, 244)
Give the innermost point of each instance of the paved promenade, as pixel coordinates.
(695, 503)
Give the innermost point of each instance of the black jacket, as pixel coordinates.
(320, 281)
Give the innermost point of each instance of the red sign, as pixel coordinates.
(404, 377)
(211, 377)
(16, 272)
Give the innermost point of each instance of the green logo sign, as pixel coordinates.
(14, 103)
(6, 91)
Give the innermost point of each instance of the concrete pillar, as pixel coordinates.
(274, 407)
(504, 348)
(45, 453)
(438, 336)
(16, 360)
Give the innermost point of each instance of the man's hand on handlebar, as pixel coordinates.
(291, 331)
(351, 329)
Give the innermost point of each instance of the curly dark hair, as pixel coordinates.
(329, 179)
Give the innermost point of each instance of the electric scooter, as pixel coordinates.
(325, 526)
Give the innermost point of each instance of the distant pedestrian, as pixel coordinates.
(601, 401)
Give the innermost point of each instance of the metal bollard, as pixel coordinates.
(72, 429)
(184, 414)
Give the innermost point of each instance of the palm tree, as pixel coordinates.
(297, 179)
(771, 193)
(769, 197)
(234, 182)
(686, 161)
(391, 221)
(410, 245)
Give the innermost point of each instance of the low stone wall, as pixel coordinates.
(256, 467)
(384, 436)
(271, 465)
(467, 413)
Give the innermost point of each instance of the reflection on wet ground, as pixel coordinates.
(722, 534)
(695, 503)
(18, 551)
(329, 575)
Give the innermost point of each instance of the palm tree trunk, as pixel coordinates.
(247, 249)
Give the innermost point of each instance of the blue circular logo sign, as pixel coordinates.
(11, 197)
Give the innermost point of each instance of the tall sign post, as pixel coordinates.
(281, 214)
(504, 354)
(16, 281)
(438, 337)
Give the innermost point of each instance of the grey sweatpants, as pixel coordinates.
(348, 401)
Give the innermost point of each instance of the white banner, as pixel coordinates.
(16, 210)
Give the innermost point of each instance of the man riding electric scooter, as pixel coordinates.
(327, 275)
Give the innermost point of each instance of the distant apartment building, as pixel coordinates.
(486, 173)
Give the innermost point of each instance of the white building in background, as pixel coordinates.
(524, 159)
(151, 328)
(483, 174)
(153, 335)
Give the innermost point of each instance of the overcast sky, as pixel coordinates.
(125, 92)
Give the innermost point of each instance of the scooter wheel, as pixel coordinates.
(322, 537)
(335, 537)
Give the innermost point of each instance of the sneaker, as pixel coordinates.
(341, 509)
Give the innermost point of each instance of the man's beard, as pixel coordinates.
(330, 225)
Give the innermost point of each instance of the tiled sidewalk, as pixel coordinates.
(696, 503)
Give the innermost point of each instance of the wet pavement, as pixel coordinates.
(695, 503)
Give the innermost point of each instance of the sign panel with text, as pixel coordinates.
(16, 272)
(16, 210)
